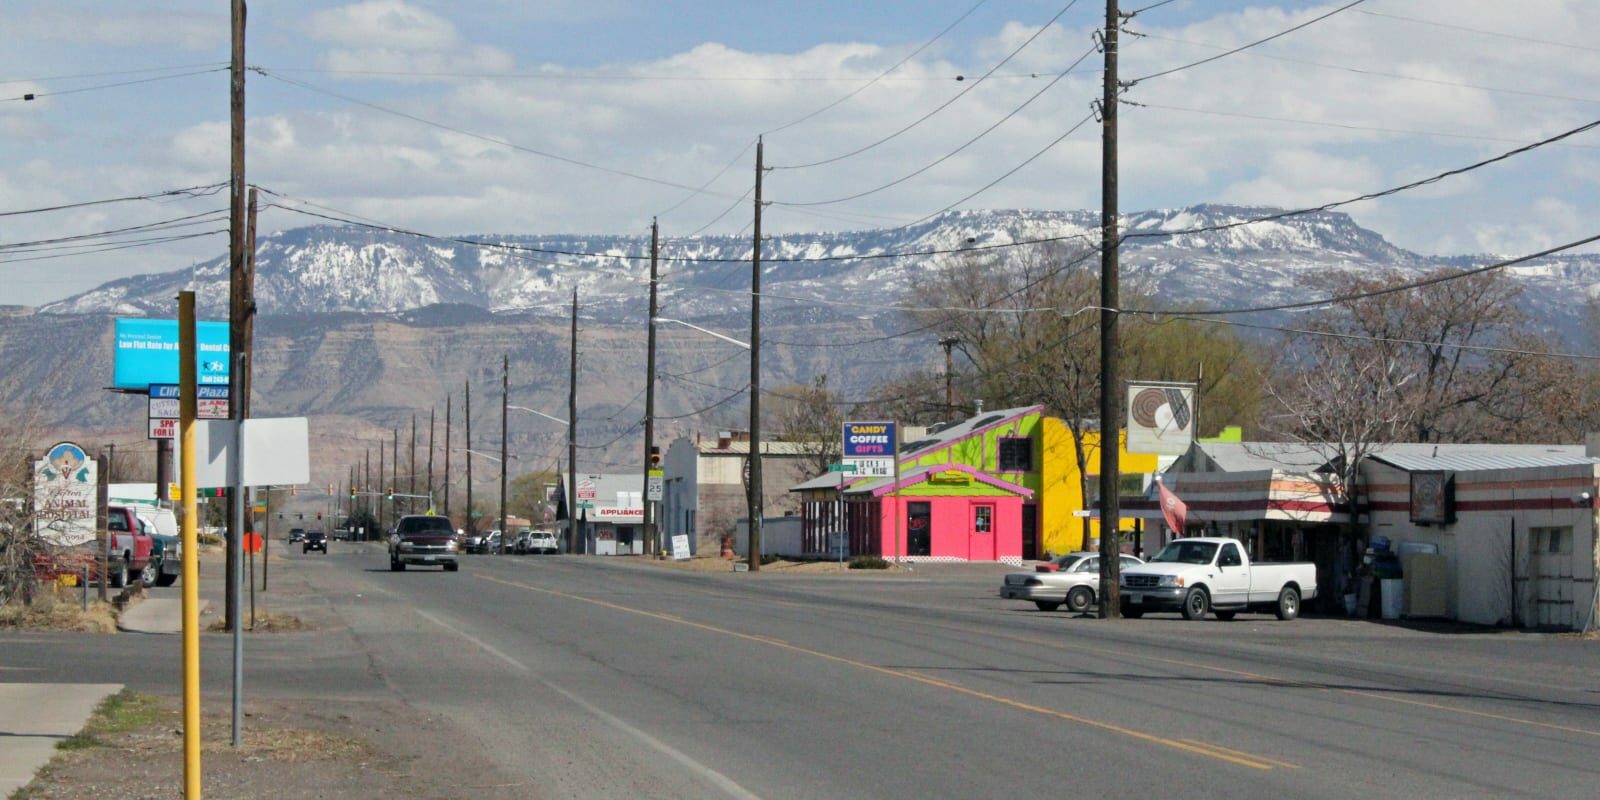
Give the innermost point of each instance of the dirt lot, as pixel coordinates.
(133, 749)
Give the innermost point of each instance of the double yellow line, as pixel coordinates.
(1237, 757)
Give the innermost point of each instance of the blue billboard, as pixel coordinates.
(869, 440)
(147, 352)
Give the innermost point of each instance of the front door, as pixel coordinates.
(1030, 530)
(980, 542)
(919, 529)
(1552, 569)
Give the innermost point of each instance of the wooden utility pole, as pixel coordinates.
(466, 456)
(505, 401)
(651, 547)
(411, 470)
(753, 490)
(1110, 382)
(430, 509)
(394, 476)
(446, 488)
(366, 489)
(572, 433)
(380, 488)
(236, 296)
(949, 343)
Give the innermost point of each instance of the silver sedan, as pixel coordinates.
(1069, 580)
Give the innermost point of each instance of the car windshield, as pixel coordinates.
(425, 525)
(1186, 553)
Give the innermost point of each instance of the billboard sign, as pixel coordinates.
(1160, 418)
(146, 352)
(869, 440)
(65, 496)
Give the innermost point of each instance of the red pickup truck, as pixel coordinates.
(128, 549)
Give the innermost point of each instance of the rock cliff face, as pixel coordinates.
(361, 328)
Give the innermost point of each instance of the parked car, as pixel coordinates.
(491, 542)
(297, 535)
(128, 545)
(1071, 580)
(472, 541)
(341, 534)
(542, 542)
(315, 540)
(423, 539)
(166, 552)
(1201, 574)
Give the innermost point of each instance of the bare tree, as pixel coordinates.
(811, 418)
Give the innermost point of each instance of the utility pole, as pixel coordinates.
(651, 547)
(366, 488)
(236, 300)
(753, 492)
(411, 470)
(380, 487)
(446, 488)
(466, 456)
(572, 433)
(949, 343)
(1110, 385)
(394, 475)
(431, 509)
(505, 401)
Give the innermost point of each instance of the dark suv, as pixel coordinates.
(315, 540)
(424, 539)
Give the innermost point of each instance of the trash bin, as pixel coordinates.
(1394, 595)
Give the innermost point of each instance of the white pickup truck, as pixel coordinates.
(1214, 574)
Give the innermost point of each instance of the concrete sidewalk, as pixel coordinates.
(34, 717)
(156, 615)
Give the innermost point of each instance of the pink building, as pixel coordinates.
(948, 512)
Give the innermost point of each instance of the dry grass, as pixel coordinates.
(59, 610)
(726, 565)
(266, 622)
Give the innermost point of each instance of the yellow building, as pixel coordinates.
(1061, 490)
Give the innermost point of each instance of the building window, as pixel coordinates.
(1016, 454)
(982, 519)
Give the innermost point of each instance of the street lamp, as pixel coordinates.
(572, 442)
(745, 345)
(540, 413)
(754, 500)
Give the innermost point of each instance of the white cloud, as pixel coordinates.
(384, 24)
(79, 26)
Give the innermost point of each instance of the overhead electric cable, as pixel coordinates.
(140, 71)
(1244, 47)
(1346, 298)
(942, 106)
(1503, 35)
(1389, 339)
(190, 191)
(30, 96)
(177, 222)
(696, 193)
(952, 154)
(481, 137)
(108, 247)
(1345, 126)
(880, 76)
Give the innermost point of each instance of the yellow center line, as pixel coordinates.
(1220, 748)
(1231, 756)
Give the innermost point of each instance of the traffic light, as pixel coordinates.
(655, 457)
(319, 515)
(391, 493)
(352, 492)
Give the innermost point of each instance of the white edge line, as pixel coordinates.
(710, 775)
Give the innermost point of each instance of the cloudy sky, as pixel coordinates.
(592, 116)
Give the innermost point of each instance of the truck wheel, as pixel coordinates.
(1225, 615)
(1130, 612)
(1079, 599)
(151, 574)
(1195, 604)
(1047, 605)
(1288, 603)
(119, 573)
(451, 567)
(166, 579)
(395, 565)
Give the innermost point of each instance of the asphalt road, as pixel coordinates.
(592, 677)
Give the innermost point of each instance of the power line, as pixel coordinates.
(108, 247)
(1389, 339)
(707, 184)
(1342, 125)
(880, 76)
(1372, 195)
(952, 154)
(941, 106)
(177, 222)
(1514, 37)
(1381, 73)
(189, 191)
(38, 95)
(81, 75)
(697, 412)
(1243, 47)
(1403, 287)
